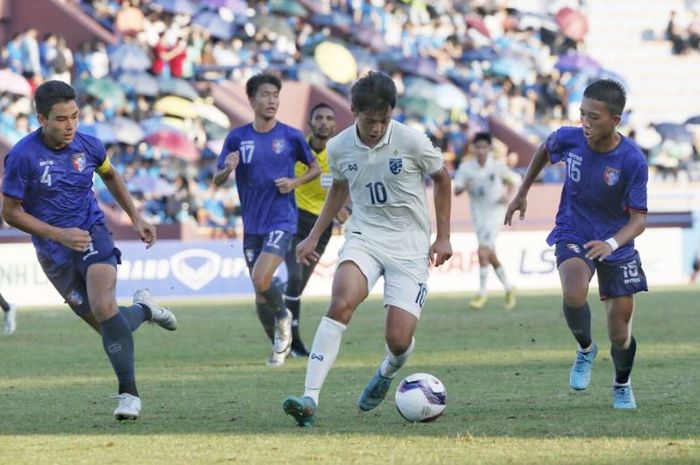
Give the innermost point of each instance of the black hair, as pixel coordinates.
(485, 136)
(254, 83)
(318, 106)
(50, 93)
(375, 91)
(609, 92)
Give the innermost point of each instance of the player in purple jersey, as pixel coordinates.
(48, 193)
(602, 209)
(263, 154)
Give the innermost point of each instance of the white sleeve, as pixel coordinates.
(333, 165)
(429, 158)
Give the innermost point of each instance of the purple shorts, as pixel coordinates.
(615, 279)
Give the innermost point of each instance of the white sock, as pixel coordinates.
(501, 273)
(585, 350)
(324, 351)
(483, 278)
(391, 363)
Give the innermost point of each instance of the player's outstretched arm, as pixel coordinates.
(441, 249)
(337, 197)
(116, 185)
(519, 202)
(73, 238)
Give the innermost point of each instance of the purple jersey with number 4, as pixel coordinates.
(55, 186)
(599, 190)
(264, 157)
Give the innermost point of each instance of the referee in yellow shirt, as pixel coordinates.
(310, 198)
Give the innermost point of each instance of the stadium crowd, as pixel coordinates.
(456, 64)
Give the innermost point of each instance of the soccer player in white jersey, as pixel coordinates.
(381, 165)
(490, 184)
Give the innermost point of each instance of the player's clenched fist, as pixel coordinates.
(74, 238)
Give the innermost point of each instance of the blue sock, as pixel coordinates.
(119, 346)
(135, 315)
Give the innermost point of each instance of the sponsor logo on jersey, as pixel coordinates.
(352, 166)
(79, 161)
(278, 146)
(574, 248)
(395, 165)
(611, 176)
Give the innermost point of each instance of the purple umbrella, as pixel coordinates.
(102, 131)
(238, 7)
(576, 62)
(423, 67)
(673, 131)
(182, 7)
(214, 24)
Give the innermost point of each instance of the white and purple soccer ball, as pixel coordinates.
(421, 397)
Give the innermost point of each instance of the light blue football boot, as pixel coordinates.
(375, 392)
(303, 409)
(580, 375)
(623, 397)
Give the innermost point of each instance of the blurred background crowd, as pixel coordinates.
(457, 65)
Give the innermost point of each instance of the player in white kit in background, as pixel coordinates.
(490, 184)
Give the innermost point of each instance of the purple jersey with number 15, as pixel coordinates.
(599, 190)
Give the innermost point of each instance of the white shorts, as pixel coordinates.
(405, 280)
(486, 236)
(487, 226)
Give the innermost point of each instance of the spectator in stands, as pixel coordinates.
(676, 34)
(31, 55)
(129, 20)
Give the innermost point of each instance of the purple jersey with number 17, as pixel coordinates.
(264, 157)
(599, 190)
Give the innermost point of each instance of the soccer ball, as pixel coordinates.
(421, 397)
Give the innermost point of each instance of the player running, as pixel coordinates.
(602, 209)
(381, 165)
(48, 193)
(263, 154)
(490, 184)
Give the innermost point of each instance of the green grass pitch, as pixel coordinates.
(209, 399)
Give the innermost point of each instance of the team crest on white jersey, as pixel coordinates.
(278, 146)
(79, 161)
(611, 176)
(395, 165)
